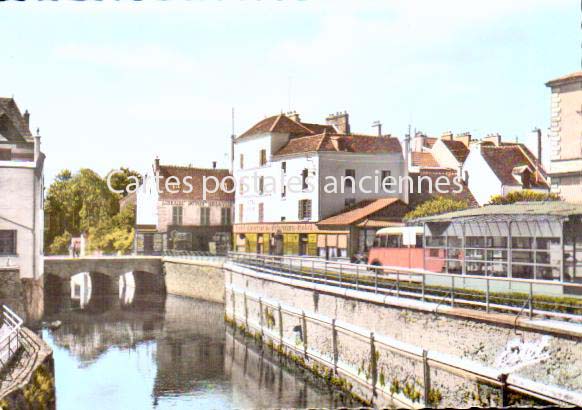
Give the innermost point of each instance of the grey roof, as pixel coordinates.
(518, 210)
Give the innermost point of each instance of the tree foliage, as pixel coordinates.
(436, 206)
(523, 196)
(123, 178)
(82, 202)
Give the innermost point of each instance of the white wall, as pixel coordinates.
(319, 166)
(147, 201)
(21, 210)
(443, 155)
(483, 183)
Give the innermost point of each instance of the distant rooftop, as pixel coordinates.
(577, 75)
(519, 210)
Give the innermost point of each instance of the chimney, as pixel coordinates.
(337, 143)
(447, 135)
(293, 115)
(36, 146)
(465, 138)
(340, 121)
(26, 117)
(157, 164)
(538, 133)
(213, 164)
(495, 139)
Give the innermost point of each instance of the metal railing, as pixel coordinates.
(509, 295)
(196, 255)
(10, 335)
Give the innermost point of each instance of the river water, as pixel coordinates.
(159, 352)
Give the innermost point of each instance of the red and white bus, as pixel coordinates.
(402, 247)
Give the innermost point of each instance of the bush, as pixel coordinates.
(523, 196)
(436, 206)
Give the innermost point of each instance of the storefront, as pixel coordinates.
(286, 239)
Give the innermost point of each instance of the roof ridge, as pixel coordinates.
(275, 123)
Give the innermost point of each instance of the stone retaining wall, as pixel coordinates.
(199, 279)
(559, 362)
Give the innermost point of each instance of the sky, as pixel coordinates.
(114, 84)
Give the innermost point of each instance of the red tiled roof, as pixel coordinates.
(319, 128)
(459, 150)
(341, 143)
(423, 159)
(416, 197)
(502, 161)
(278, 123)
(366, 208)
(577, 75)
(429, 141)
(196, 181)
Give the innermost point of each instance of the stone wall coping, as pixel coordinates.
(197, 262)
(9, 268)
(549, 326)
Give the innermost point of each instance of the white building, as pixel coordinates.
(497, 168)
(285, 168)
(21, 194)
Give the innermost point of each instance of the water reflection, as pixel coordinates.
(153, 351)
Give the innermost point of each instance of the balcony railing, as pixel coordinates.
(542, 298)
(10, 337)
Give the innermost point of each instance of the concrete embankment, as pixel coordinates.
(392, 351)
(30, 382)
(199, 279)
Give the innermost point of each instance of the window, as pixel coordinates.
(284, 192)
(177, 215)
(262, 157)
(305, 209)
(304, 175)
(283, 219)
(349, 202)
(261, 212)
(205, 216)
(8, 242)
(350, 178)
(242, 161)
(225, 216)
(385, 181)
(240, 212)
(261, 185)
(284, 167)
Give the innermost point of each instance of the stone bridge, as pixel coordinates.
(113, 266)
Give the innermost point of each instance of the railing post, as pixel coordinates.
(423, 286)
(373, 363)
(531, 300)
(397, 284)
(334, 345)
(452, 291)
(325, 272)
(504, 390)
(357, 276)
(261, 314)
(313, 271)
(376, 272)
(426, 378)
(280, 326)
(340, 275)
(487, 294)
(304, 326)
(246, 311)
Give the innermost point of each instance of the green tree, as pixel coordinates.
(523, 196)
(124, 178)
(82, 202)
(436, 206)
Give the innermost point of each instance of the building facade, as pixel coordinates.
(285, 169)
(565, 136)
(177, 216)
(21, 193)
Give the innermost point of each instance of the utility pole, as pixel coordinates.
(378, 124)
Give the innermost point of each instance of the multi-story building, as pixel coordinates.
(285, 168)
(565, 136)
(182, 217)
(21, 201)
